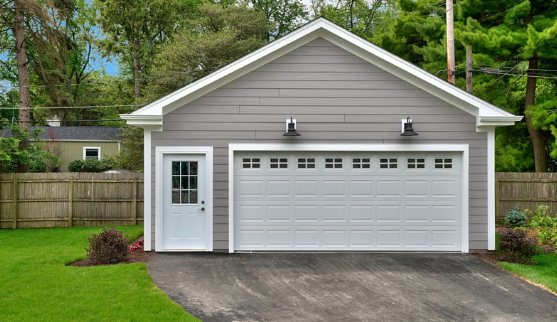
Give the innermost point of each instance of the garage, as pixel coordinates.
(347, 200)
(302, 149)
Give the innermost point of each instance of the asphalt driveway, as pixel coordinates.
(348, 287)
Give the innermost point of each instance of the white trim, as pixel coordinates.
(147, 158)
(98, 148)
(464, 148)
(491, 215)
(160, 151)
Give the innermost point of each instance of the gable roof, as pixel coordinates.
(150, 115)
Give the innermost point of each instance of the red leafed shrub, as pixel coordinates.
(514, 246)
(137, 245)
(108, 247)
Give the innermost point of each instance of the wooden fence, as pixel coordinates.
(525, 190)
(40, 200)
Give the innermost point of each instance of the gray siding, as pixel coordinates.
(336, 98)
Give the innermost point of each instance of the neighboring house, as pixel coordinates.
(221, 176)
(71, 143)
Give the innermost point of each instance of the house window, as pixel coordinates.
(443, 163)
(184, 182)
(361, 163)
(251, 163)
(333, 163)
(306, 163)
(388, 163)
(92, 153)
(279, 163)
(416, 163)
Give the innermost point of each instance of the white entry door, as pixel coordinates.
(184, 214)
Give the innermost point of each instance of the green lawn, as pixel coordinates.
(545, 273)
(35, 284)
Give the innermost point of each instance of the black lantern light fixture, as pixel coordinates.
(408, 130)
(291, 128)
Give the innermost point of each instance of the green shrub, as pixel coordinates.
(108, 247)
(541, 218)
(545, 225)
(90, 165)
(515, 217)
(514, 246)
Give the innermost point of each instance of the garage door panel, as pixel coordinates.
(279, 188)
(283, 238)
(334, 214)
(416, 213)
(279, 213)
(361, 188)
(415, 206)
(309, 213)
(388, 214)
(361, 213)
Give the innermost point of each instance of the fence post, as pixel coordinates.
(70, 204)
(497, 197)
(134, 202)
(14, 203)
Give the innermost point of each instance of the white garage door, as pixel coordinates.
(347, 201)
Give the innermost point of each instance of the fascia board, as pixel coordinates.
(151, 122)
(489, 121)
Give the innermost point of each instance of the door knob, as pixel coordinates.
(202, 208)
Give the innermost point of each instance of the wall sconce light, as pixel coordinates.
(407, 129)
(291, 128)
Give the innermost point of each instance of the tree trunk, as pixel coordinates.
(536, 135)
(23, 77)
(137, 70)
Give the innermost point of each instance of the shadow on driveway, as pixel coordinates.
(347, 287)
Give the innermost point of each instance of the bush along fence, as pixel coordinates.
(525, 190)
(45, 200)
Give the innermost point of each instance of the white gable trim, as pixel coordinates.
(486, 113)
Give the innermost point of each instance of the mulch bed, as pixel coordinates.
(135, 256)
(492, 258)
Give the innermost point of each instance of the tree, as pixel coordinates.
(218, 37)
(135, 30)
(286, 15)
(27, 26)
(366, 18)
(518, 32)
(34, 155)
(130, 156)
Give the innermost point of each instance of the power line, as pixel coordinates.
(65, 107)
(100, 83)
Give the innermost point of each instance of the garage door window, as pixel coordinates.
(390, 163)
(443, 163)
(333, 163)
(278, 163)
(251, 163)
(416, 163)
(306, 163)
(361, 163)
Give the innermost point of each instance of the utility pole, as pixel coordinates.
(450, 42)
(469, 67)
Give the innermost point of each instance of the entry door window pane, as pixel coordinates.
(184, 182)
